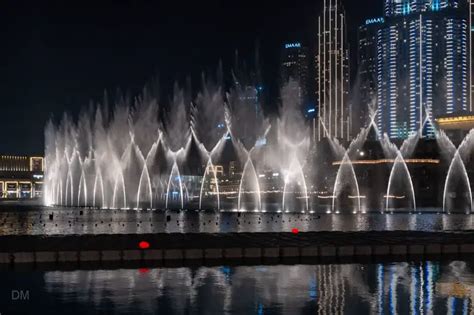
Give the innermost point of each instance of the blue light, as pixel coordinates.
(406, 8)
(260, 88)
(313, 288)
(220, 126)
(311, 110)
(227, 273)
(293, 45)
(374, 21)
(261, 142)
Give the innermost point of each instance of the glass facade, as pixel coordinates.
(422, 63)
(294, 65)
(332, 72)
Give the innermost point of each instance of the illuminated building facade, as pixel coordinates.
(456, 125)
(21, 177)
(422, 63)
(471, 38)
(332, 72)
(295, 66)
(367, 61)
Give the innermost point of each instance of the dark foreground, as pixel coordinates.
(202, 248)
(425, 287)
(54, 237)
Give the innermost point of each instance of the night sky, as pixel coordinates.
(56, 56)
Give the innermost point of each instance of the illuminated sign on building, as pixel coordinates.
(374, 21)
(293, 45)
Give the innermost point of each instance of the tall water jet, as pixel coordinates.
(209, 126)
(293, 146)
(346, 189)
(457, 194)
(295, 186)
(249, 195)
(247, 130)
(98, 198)
(174, 190)
(210, 185)
(400, 190)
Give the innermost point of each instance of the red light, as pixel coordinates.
(295, 231)
(143, 270)
(144, 245)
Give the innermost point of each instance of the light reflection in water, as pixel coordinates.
(398, 288)
(380, 288)
(69, 221)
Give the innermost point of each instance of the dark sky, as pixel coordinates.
(57, 55)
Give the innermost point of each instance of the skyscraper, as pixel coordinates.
(422, 63)
(471, 38)
(367, 72)
(294, 65)
(332, 72)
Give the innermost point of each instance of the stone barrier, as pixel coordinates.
(181, 248)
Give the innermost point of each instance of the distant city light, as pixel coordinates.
(374, 21)
(293, 45)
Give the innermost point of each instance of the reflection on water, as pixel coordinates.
(76, 221)
(397, 288)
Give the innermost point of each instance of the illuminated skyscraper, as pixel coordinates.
(294, 65)
(471, 38)
(422, 63)
(367, 72)
(332, 72)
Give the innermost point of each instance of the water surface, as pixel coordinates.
(37, 221)
(392, 288)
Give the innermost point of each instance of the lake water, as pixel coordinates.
(392, 288)
(36, 221)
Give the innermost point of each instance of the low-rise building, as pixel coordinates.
(21, 177)
(456, 125)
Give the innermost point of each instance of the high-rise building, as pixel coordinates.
(332, 72)
(422, 63)
(471, 39)
(295, 66)
(367, 72)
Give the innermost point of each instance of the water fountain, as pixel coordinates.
(219, 151)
